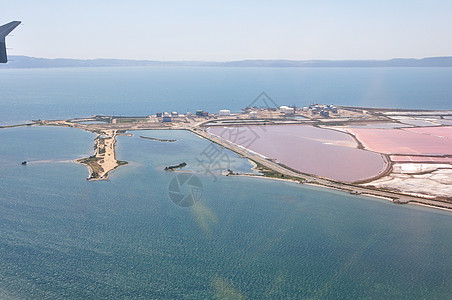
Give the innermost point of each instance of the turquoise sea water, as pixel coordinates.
(27, 94)
(62, 237)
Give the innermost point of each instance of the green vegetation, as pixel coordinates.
(230, 172)
(131, 120)
(266, 172)
(93, 163)
(103, 119)
(96, 169)
(87, 160)
(171, 168)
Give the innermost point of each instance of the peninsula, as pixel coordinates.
(104, 158)
(401, 155)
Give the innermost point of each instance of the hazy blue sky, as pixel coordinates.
(230, 30)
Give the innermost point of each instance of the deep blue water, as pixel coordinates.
(27, 94)
(64, 237)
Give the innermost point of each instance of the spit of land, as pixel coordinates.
(401, 155)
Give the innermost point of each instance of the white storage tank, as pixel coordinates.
(289, 111)
(225, 112)
(253, 115)
(283, 108)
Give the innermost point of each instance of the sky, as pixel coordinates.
(230, 30)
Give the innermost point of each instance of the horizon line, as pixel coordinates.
(239, 60)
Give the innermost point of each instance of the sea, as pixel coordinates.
(63, 237)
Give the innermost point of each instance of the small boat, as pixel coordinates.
(24, 163)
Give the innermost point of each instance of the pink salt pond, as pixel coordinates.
(441, 132)
(415, 141)
(418, 159)
(322, 152)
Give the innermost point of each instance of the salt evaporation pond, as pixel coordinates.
(376, 125)
(445, 122)
(322, 152)
(431, 159)
(405, 141)
(416, 122)
(442, 132)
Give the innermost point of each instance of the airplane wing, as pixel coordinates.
(4, 31)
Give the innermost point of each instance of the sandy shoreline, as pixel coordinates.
(103, 161)
(344, 191)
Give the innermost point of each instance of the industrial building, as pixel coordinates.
(287, 111)
(225, 112)
(283, 108)
(325, 113)
(323, 110)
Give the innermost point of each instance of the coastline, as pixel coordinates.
(103, 161)
(345, 191)
(396, 198)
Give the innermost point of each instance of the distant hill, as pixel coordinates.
(33, 62)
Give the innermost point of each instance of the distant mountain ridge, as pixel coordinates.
(33, 62)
